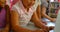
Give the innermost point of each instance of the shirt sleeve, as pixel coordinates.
(44, 3)
(14, 7)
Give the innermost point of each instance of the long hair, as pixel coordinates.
(7, 9)
(7, 13)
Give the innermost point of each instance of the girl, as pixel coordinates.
(21, 15)
(4, 16)
(44, 5)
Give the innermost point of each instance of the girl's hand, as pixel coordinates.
(51, 27)
(53, 20)
(48, 28)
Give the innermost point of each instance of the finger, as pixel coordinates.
(51, 27)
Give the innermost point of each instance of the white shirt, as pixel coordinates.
(24, 17)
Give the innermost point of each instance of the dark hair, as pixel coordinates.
(0, 8)
(7, 15)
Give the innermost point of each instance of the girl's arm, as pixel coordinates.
(15, 24)
(38, 22)
(45, 15)
(38, 11)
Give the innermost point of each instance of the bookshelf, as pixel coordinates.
(53, 9)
